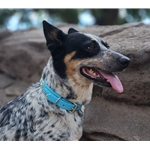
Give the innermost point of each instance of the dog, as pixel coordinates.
(53, 109)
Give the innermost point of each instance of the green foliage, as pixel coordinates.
(66, 15)
(5, 14)
(137, 15)
(102, 16)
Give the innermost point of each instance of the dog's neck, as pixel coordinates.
(77, 93)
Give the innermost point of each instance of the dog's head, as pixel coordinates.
(84, 57)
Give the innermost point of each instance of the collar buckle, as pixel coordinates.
(57, 100)
(74, 108)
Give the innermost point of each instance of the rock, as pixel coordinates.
(23, 54)
(18, 88)
(106, 120)
(123, 116)
(5, 81)
(134, 43)
(3, 98)
(109, 116)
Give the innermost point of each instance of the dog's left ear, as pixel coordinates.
(72, 30)
(54, 36)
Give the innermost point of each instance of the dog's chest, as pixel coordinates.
(59, 127)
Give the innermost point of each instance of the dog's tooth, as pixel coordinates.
(91, 71)
(107, 80)
(94, 74)
(98, 75)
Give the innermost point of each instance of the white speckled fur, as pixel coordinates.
(32, 117)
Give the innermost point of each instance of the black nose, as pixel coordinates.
(124, 60)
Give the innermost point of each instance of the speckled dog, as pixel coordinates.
(77, 61)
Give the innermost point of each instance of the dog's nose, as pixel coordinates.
(124, 61)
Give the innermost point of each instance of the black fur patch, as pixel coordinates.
(18, 135)
(6, 117)
(61, 44)
(83, 45)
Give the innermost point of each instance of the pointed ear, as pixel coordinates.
(72, 30)
(54, 37)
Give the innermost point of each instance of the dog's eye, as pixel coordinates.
(91, 47)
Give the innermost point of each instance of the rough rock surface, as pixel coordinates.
(109, 116)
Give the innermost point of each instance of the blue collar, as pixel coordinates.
(57, 100)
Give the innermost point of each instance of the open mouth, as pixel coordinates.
(102, 78)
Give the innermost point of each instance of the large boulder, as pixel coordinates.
(109, 116)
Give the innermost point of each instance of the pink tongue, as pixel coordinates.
(114, 81)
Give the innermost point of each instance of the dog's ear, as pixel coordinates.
(72, 30)
(54, 36)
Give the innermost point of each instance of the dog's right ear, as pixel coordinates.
(54, 37)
